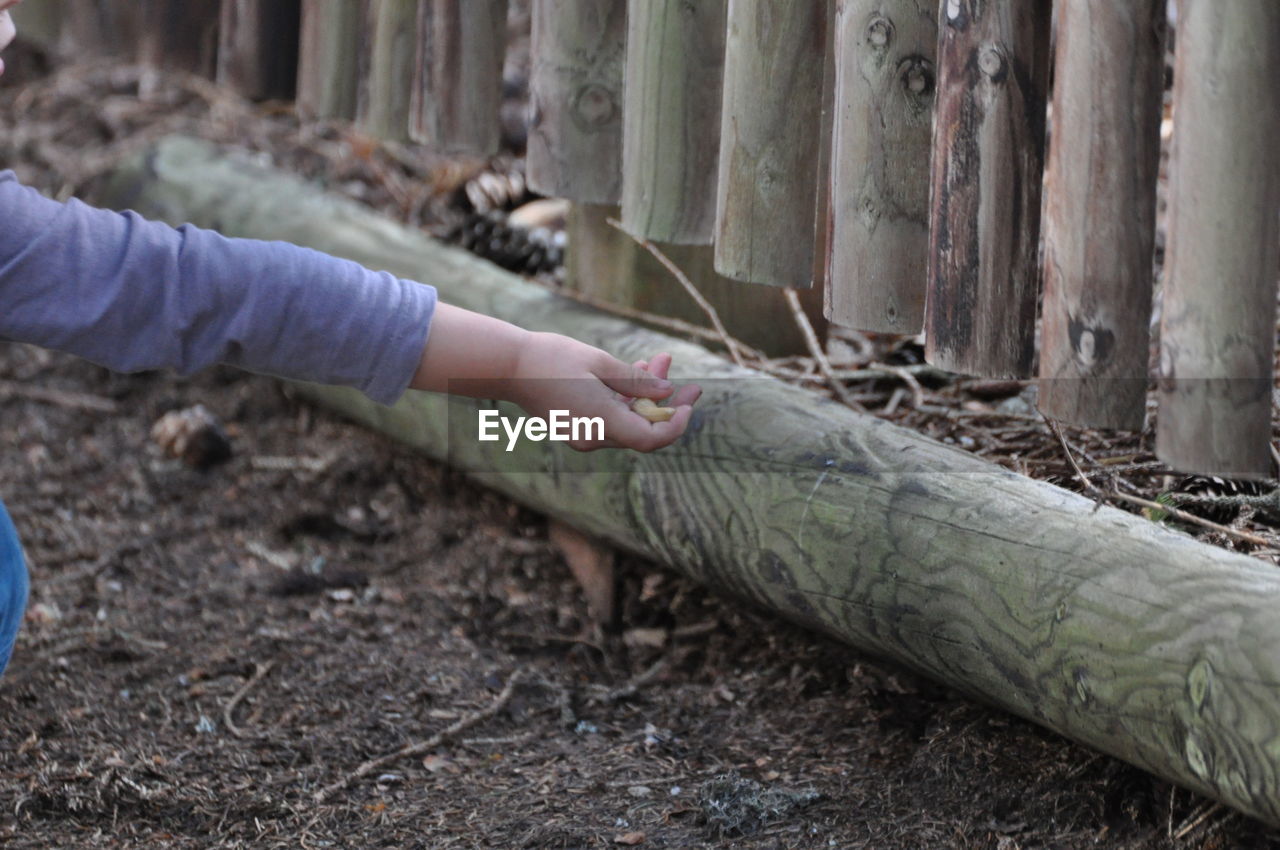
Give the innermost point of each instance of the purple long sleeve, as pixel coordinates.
(132, 294)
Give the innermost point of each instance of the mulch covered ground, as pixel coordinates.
(327, 641)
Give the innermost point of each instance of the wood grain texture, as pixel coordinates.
(885, 84)
(457, 94)
(671, 119)
(988, 158)
(1099, 228)
(575, 123)
(771, 119)
(328, 58)
(1217, 331)
(101, 28)
(388, 55)
(180, 35)
(1097, 624)
(258, 47)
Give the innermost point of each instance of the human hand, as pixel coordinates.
(555, 372)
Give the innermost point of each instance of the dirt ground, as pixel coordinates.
(208, 651)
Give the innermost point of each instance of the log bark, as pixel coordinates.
(885, 83)
(258, 48)
(387, 58)
(575, 122)
(1099, 228)
(770, 124)
(671, 122)
(458, 80)
(1098, 624)
(988, 157)
(1217, 333)
(328, 58)
(180, 35)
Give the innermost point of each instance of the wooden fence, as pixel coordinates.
(905, 162)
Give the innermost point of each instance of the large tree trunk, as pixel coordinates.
(1094, 623)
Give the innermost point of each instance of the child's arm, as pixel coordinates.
(131, 294)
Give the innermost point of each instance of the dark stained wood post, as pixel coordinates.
(328, 60)
(457, 90)
(388, 53)
(771, 121)
(1099, 228)
(1217, 333)
(671, 123)
(988, 156)
(180, 35)
(575, 128)
(258, 47)
(885, 83)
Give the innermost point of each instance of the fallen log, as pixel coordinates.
(1102, 626)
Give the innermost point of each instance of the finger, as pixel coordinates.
(687, 394)
(660, 365)
(630, 381)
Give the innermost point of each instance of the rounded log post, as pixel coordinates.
(1217, 333)
(575, 89)
(180, 35)
(988, 163)
(1098, 624)
(258, 47)
(457, 89)
(388, 55)
(101, 28)
(1099, 228)
(671, 120)
(770, 124)
(884, 89)
(40, 22)
(328, 58)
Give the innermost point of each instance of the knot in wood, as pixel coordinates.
(992, 63)
(916, 74)
(594, 107)
(879, 31)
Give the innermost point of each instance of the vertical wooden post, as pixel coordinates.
(1099, 229)
(328, 59)
(457, 90)
(575, 129)
(100, 28)
(608, 265)
(258, 47)
(388, 53)
(180, 35)
(671, 122)
(885, 83)
(987, 169)
(1217, 334)
(40, 21)
(769, 141)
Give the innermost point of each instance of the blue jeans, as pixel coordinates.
(13, 586)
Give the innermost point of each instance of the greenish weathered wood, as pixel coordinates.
(179, 35)
(40, 22)
(671, 119)
(610, 266)
(458, 79)
(575, 90)
(101, 28)
(329, 58)
(988, 164)
(770, 124)
(1095, 623)
(1099, 226)
(1217, 331)
(388, 55)
(885, 83)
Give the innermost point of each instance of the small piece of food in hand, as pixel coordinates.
(650, 410)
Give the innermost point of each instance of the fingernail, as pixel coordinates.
(664, 385)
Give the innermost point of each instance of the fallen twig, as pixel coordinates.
(410, 750)
(815, 350)
(61, 398)
(259, 671)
